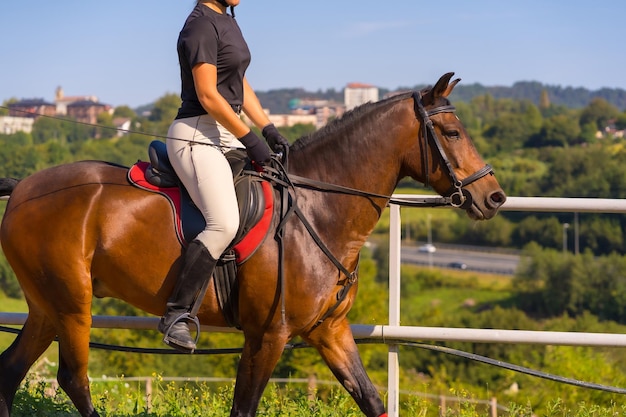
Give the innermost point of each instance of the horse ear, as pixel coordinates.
(440, 89)
(450, 87)
(442, 85)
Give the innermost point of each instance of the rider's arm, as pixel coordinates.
(252, 106)
(205, 80)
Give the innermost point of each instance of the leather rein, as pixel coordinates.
(456, 196)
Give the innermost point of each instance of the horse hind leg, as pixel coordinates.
(73, 334)
(336, 345)
(35, 337)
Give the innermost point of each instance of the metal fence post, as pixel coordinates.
(393, 377)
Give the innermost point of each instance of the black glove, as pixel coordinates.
(276, 141)
(255, 148)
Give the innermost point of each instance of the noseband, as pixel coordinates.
(459, 197)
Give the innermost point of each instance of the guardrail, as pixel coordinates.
(533, 204)
(395, 331)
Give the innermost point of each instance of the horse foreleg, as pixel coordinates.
(73, 358)
(30, 344)
(334, 341)
(258, 360)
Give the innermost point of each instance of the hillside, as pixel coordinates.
(573, 97)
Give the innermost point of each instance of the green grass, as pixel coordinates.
(125, 399)
(428, 292)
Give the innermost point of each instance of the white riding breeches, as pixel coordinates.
(196, 148)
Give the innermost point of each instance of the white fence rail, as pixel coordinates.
(533, 204)
(414, 333)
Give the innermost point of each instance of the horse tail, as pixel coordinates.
(7, 185)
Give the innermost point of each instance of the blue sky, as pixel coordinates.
(123, 51)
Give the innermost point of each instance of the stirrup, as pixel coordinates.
(183, 317)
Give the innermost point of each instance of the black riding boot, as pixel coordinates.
(197, 269)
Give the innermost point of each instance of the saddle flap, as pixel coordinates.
(238, 161)
(251, 203)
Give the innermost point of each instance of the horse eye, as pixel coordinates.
(453, 134)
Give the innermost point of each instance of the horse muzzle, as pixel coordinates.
(483, 209)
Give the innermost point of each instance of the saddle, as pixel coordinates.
(255, 198)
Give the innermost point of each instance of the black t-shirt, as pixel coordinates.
(213, 38)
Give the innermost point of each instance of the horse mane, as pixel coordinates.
(348, 119)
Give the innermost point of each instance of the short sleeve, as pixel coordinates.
(199, 42)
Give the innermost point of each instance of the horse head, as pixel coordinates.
(449, 162)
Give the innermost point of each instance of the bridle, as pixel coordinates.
(458, 196)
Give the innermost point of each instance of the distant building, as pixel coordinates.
(12, 124)
(86, 111)
(62, 101)
(32, 108)
(323, 110)
(288, 120)
(122, 124)
(610, 131)
(356, 94)
(326, 113)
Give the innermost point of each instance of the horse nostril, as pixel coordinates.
(496, 199)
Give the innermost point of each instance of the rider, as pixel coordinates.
(213, 58)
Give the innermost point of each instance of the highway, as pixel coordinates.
(474, 260)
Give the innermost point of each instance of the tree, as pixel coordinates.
(106, 128)
(4, 110)
(558, 130)
(162, 115)
(19, 161)
(8, 281)
(620, 122)
(46, 128)
(17, 138)
(124, 111)
(516, 123)
(602, 235)
(599, 111)
(544, 100)
(165, 108)
(520, 175)
(496, 233)
(545, 232)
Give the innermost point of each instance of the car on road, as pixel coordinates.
(457, 265)
(427, 248)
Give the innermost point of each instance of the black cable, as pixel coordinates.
(94, 125)
(506, 365)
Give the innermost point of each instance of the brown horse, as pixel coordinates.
(79, 230)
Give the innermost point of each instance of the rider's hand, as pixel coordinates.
(276, 141)
(255, 148)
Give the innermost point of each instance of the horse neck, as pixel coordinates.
(365, 154)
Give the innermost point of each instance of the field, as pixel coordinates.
(119, 398)
(427, 295)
